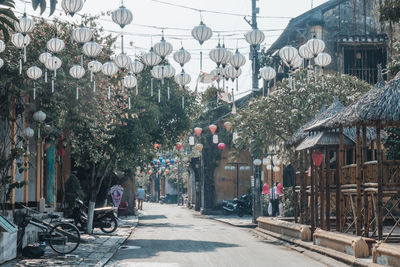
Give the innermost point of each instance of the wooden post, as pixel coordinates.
(312, 194)
(365, 159)
(337, 198)
(322, 197)
(26, 159)
(295, 197)
(341, 162)
(358, 181)
(380, 179)
(302, 188)
(327, 189)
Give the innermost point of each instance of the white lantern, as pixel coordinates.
(82, 34)
(109, 68)
(25, 25)
(44, 57)
(323, 60)
(151, 59)
(2, 46)
(28, 132)
(20, 41)
(297, 63)
(268, 73)
(95, 66)
(233, 168)
(169, 71)
(255, 37)
(191, 140)
(122, 16)
(34, 73)
(288, 54)
(215, 139)
(276, 169)
(92, 49)
(265, 161)
(39, 116)
(53, 63)
(77, 71)
(305, 53)
(315, 46)
(202, 33)
(129, 81)
(217, 72)
(227, 168)
(136, 67)
(230, 72)
(122, 61)
(55, 45)
(269, 167)
(183, 79)
(238, 60)
(257, 162)
(1, 62)
(72, 6)
(163, 48)
(218, 54)
(227, 58)
(182, 56)
(158, 72)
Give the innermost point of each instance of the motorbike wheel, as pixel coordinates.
(113, 225)
(226, 212)
(240, 213)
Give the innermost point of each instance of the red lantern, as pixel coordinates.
(166, 171)
(179, 146)
(157, 146)
(317, 157)
(221, 146)
(167, 161)
(175, 169)
(150, 172)
(228, 126)
(212, 128)
(159, 172)
(198, 131)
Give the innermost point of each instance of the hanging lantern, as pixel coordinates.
(276, 169)
(323, 60)
(179, 146)
(169, 71)
(182, 57)
(215, 139)
(182, 79)
(72, 6)
(202, 33)
(254, 37)
(122, 61)
(199, 147)
(230, 72)
(95, 66)
(221, 146)
(163, 48)
(158, 72)
(315, 46)
(109, 69)
(24, 25)
(304, 52)
(219, 55)
(288, 54)
(297, 63)
(175, 169)
(2, 46)
(129, 81)
(228, 126)
(55, 45)
(151, 59)
(21, 42)
(198, 131)
(44, 57)
(212, 128)
(227, 58)
(82, 34)
(39, 116)
(92, 49)
(1, 63)
(166, 172)
(34, 73)
(53, 63)
(150, 172)
(28, 132)
(238, 60)
(217, 73)
(77, 72)
(122, 16)
(136, 67)
(268, 73)
(191, 140)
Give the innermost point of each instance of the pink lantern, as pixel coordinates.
(265, 189)
(228, 126)
(150, 172)
(198, 131)
(221, 146)
(167, 161)
(159, 172)
(179, 146)
(279, 188)
(212, 128)
(175, 169)
(166, 171)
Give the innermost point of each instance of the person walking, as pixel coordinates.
(275, 200)
(140, 195)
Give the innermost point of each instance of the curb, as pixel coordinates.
(321, 250)
(251, 226)
(107, 257)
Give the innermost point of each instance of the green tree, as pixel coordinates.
(7, 17)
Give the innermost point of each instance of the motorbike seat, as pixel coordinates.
(53, 216)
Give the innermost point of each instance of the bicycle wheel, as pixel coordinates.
(64, 238)
(111, 223)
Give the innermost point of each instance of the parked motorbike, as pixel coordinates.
(104, 218)
(240, 206)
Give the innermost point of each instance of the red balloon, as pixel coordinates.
(212, 128)
(221, 146)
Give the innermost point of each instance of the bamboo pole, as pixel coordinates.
(327, 189)
(380, 179)
(340, 178)
(358, 181)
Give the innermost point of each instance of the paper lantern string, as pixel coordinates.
(129, 102)
(25, 53)
(137, 89)
(151, 86)
(183, 101)
(20, 66)
(52, 85)
(45, 76)
(109, 92)
(159, 95)
(91, 75)
(77, 93)
(34, 90)
(168, 92)
(94, 86)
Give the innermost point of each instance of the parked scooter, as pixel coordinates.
(240, 206)
(104, 218)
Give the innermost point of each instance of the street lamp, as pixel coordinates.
(255, 37)
(272, 163)
(256, 190)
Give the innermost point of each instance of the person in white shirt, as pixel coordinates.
(140, 195)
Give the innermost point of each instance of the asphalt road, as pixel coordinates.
(171, 236)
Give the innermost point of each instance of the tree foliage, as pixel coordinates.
(390, 11)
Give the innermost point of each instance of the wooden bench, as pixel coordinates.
(349, 244)
(290, 229)
(386, 254)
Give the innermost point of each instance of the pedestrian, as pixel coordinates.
(275, 200)
(140, 195)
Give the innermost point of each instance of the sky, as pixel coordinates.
(178, 23)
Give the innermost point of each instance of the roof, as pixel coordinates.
(313, 15)
(323, 139)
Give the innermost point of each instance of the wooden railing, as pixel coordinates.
(348, 174)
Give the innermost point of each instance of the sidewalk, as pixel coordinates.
(94, 250)
(234, 220)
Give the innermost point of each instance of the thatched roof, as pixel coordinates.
(323, 114)
(323, 139)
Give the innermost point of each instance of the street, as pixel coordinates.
(168, 235)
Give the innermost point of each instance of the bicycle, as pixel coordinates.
(62, 237)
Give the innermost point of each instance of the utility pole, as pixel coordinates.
(255, 50)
